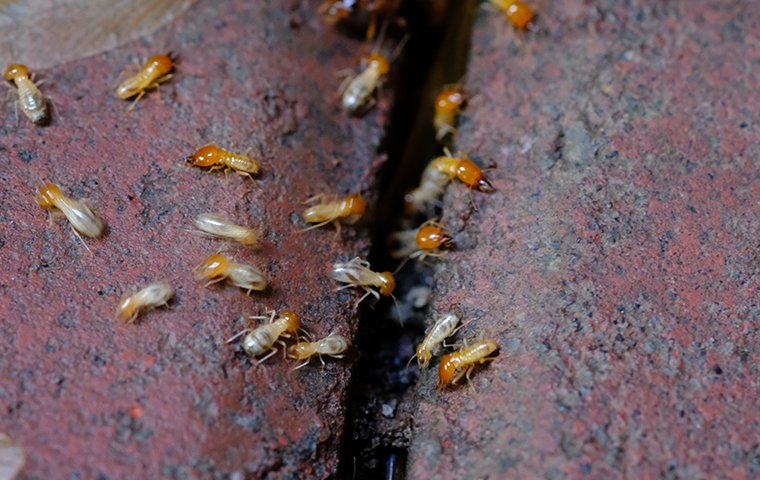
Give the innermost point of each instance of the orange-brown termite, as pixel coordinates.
(220, 227)
(518, 13)
(426, 241)
(462, 362)
(153, 296)
(156, 71)
(218, 267)
(444, 327)
(447, 106)
(358, 94)
(348, 209)
(332, 345)
(464, 170)
(439, 172)
(216, 158)
(30, 98)
(357, 273)
(79, 215)
(262, 338)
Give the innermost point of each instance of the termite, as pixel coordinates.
(216, 158)
(220, 227)
(427, 240)
(443, 328)
(348, 209)
(262, 338)
(156, 71)
(357, 273)
(518, 13)
(332, 345)
(462, 362)
(218, 267)
(431, 237)
(334, 11)
(29, 96)
(464, 170)
(153, 296)
(358, 94)
(447, 106)
(79, 215)
(439, 172)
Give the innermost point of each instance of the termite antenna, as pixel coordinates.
(397, 51)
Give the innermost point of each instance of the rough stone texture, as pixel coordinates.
(88, 397)
(617, 262)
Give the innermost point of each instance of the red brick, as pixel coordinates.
(88, 397)
(617, 262)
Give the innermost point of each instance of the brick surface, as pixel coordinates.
(617, 262)
(88, 397)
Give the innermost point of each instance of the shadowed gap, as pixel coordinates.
(381, 396)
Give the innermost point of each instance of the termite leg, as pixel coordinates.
(242, 332)
(211, 282)
(139, 96)
(300, 366)
(313, 199)
(269, 314)
(81, 240)
(469, 382)
(458, 377)
(272, 351)
(366, 294)
(316, 226)
(284, 349)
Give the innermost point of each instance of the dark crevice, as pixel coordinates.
(382, 397)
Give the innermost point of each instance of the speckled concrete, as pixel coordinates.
(88, 397)
(617, 262)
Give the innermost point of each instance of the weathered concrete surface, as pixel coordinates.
(88, 397)
(617, 263)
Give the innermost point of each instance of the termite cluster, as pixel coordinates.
(432, 238)
(429, 239)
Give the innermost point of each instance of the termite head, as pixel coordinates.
(520, 14)
(301, 350)
(16, 70)
(292, 321)
(389, 284)
(163, 64)
(447, 369)
(423, 356)
(215, 266)
(127, 309)
(205, 156)
(430, 237)
(47, 194)
(471, 175)
(451, 99)
(379, 62)
(355, 204)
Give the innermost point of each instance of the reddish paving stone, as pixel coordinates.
(617, 263)
(88, 397)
